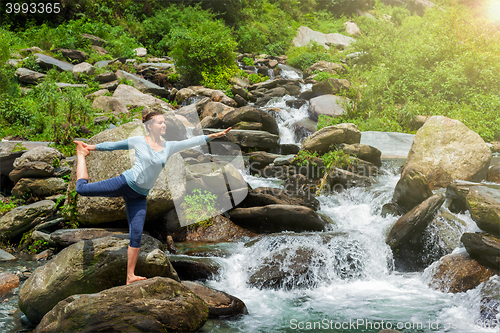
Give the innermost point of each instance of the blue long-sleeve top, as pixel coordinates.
(148, 163)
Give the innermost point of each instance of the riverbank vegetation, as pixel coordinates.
(446, 62)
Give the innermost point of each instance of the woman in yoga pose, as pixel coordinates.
(151, 155)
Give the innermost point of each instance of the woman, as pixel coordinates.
(151, 155)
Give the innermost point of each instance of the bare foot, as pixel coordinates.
(134, 278)
(80, 150)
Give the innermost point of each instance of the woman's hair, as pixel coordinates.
(148, 116)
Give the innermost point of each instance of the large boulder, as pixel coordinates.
(484, 248)
(320, 141)
(107, 164)
(305, 35)
(363, 152)
(83, 68)
(42, 154)
(263, 196)
(40, 187)
(276, 218)
(251, 114)
(67, 237)
(111, 104)
(131, 96)
(411, 190)
(154, 305)
(484, 206)
(35, 169)
(28, 76)
(87, 267)
(445, 150)
(23, 218)
(327, 105)
(457, 272)
(72, 55)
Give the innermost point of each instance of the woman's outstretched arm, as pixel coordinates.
(108, 146)
(177, 146)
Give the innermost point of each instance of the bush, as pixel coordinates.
(205, 51)
(305, 56)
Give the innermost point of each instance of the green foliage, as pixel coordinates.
(199, 208)
(256, 78)
(247, 61)
(305, 56)
(205, 52)
(336, 159)
(304, 157)
(18, 147)
(7, 205)
(69, 210)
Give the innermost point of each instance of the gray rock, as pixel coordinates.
(67, 237)
(88, 267)
(321, 140)
(98, 93)
(140, 52)
(153, 305)
(364, 152)
(99, 50)
(276, 218)
(40, 187)
(131, 96)
(72, 55)
(106, 77)
(102, 63)
(47, 62)
(445, 150)
(330, 86)
(247, 138)
(305, 35)
(29, 76)
(220, 304)
(23, 218)
(414, 221)
(41, 154)
(411, 190)
(111, 86)
(97, 41)
(142, 84)
(484, 206)
(159, 65)
(263, 196)
(35, 169)
(109, 104)
(83, 68)
(352, 28)
(8, 156)
(251, 114)
(6, 256)
(484, 248)
(64, 85)
(391, 144)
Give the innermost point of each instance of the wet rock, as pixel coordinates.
(28, 76)
(263, 196)
(39, 187)
(220, 304)
(391, 209)
(327, 105)
(411, 190)
(445, 150)
(192, 268)
(23, 218)
(490, 299)
(45, 255)
(251, 114)
(260, 159)
(8, 281)
(494, 174)
(295, 104)
(289, 148)
(47, 62)
(67, 237)
(321, 140)
(275, 218)
(35, 169)
(484, 248)
(458, 272)
(414, 221)
(247, 138)
(87, 267)
(154, 305)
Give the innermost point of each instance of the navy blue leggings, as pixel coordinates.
(117, 187)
